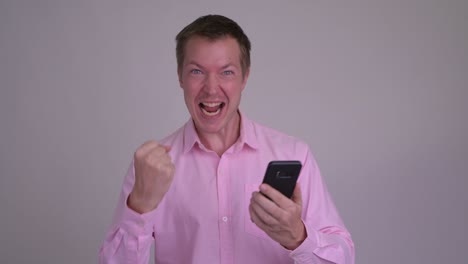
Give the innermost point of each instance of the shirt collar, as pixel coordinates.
(247, 136)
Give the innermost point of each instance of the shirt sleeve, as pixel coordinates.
(328, 240)
(131, 234)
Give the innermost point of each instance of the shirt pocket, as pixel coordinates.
(250, 227)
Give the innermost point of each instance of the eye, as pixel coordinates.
(228, 72)
(196, 71)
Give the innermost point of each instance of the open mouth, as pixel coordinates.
(211, 109)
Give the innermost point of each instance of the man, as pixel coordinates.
(197, 193)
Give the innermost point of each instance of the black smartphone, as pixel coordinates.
(282, 175)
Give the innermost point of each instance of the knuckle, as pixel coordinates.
(150, 142)
(138, 154)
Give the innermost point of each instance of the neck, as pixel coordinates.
(222, 140)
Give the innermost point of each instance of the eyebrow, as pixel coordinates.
(199, 66)
(194, 63)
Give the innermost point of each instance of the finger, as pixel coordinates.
(297, 195)
(255, 219)
(266, 217)
(167, 148)
(165, 158)
(276, 196)
(159, 151)
(146, 148)
(267, 205)
(149, 144)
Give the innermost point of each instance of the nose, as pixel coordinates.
(211, 84)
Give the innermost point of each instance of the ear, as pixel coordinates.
(245, 77)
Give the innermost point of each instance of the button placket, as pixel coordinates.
(225, 229)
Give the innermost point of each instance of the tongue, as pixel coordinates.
(211, 109)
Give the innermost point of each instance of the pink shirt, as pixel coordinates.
(204, 216)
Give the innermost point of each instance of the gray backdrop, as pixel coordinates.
(377, 88)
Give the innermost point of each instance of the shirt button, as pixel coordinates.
(225, 219)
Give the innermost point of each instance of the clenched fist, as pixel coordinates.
(154, 172)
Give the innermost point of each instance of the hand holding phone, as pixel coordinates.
(282, 175)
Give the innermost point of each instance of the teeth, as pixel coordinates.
(211, 113)
(211, 104)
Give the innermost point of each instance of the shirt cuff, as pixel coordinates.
(303, 253)
(136, 224)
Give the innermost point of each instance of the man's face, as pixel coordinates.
(212, 80)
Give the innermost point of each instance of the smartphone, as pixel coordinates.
(282, 175)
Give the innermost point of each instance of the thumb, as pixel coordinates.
(297, 196)
(167, 148)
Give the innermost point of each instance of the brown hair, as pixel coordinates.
(214, 27)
